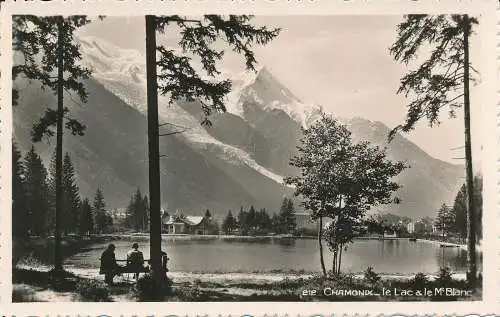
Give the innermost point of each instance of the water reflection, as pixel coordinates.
(454, 258)
(216, 255)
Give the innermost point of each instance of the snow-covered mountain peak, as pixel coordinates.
(106, 59)
(126, 67)
(262, 89)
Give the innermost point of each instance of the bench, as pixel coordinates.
(135, 269)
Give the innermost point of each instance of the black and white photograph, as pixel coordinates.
(266, 158)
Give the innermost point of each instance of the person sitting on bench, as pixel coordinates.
(109, 267)
(135, 260)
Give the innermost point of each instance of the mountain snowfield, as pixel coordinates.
(123, 73)
(240, 160)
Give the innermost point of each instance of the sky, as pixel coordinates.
(339, 62)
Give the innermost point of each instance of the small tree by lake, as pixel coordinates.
(341, 181)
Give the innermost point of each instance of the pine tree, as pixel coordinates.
(174, 76)
(229, 224)
(130, 213)
(71, 196)
(275, 223)
(99, 210)
(288, 223)
(139, 211)
(460, 212)
(460, 208)
(37, 203)
(137, 214)
(251, 218)
(440, 82)
(20, 218)
(86, 222)
(243, 223)
(51, 39)
(266, 223)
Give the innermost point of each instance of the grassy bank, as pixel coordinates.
(30, 285)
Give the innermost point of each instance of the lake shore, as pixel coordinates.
(236, 277)
(228, 286)
(211, 285)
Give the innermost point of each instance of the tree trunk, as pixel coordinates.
(471, 216)
(153, 151)
(340, 259)
(320, 234)
(334, 261)
(58, 261)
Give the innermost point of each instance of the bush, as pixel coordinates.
(149, 290)
(444, 278)
(371, 276)
(92, 291)
(419, 281)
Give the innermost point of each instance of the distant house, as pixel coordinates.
(181, 224)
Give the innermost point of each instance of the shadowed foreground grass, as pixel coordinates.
(343, 287)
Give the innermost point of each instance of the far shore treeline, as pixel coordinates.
(33, 210)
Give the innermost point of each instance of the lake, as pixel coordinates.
(385, 256)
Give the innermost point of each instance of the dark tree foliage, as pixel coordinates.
(287, 220)
(137, 212)
(243, 221)
(86, 221)
(102, 219)
(70, 214)
(229, 224)
(460, 212)
(460, 209)
(20, 218)
(251, 218)
(445, 220)
(37, 203)
(264, 221)
(35, 39)
(439, 81)
(275, 223)
(255, 222)
(71, 197)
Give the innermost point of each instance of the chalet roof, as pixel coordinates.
(189, 220)
(194, 220)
